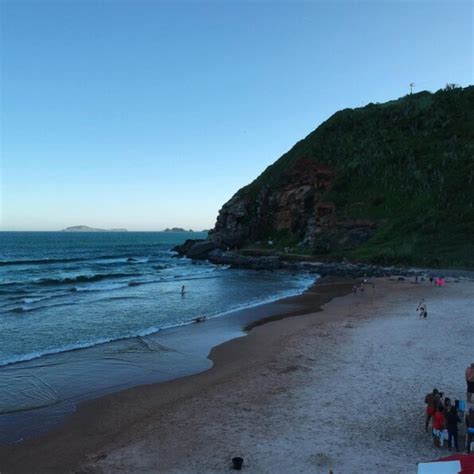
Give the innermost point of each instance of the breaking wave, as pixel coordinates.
(49, 261)
(85, 278)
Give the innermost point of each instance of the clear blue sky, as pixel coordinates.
(147, 114)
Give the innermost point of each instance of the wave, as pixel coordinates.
(138, 259)
(48, 261)
(36, 299)
(73, 347)
(105, 287)
(19, 309)
(115, 298)
(84, 278)
(29, 309)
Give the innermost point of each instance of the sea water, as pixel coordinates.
(109, 292)
(61, 291)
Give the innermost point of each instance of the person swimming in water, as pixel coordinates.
(183, 290)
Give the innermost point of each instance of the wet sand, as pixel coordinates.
(338, 389)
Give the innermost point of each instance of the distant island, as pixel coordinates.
(177, 229)
(85, 228)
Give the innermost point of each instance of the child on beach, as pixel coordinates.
(438, 424)
(438, 419)
(452, 420)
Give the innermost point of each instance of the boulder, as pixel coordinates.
(200, 250)
(236, 260)
(186, 247)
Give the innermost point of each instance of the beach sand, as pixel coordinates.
(338, 390)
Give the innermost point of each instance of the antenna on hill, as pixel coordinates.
(412, 85)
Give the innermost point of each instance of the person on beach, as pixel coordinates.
(470, 428)
(447, 404)
(432, 401)
(470, 382)
(422, 309)
(431, 280)
(438, 424)
(354, 289)
(452, 420)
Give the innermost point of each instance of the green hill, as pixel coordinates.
(387, 183)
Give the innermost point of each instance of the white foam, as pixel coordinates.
(101, 287)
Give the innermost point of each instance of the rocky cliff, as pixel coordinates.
(388, 183)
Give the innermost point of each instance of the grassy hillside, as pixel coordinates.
(409, 164)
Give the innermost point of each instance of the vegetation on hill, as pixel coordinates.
(407, 164)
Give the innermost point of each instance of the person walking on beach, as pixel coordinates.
(470, 382)
(452, 420)
(422, 309)
(470, 428)
(438, 425)
(432, 401)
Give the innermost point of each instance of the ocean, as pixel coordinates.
(83, 314)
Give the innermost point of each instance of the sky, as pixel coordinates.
(152, 114)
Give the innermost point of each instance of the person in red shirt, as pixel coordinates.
(438, 419)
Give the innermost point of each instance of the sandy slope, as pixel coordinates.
(340, 390)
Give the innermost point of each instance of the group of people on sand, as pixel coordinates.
(445, 415)
(363, 286)
(438, 281)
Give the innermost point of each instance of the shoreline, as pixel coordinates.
(69, 378)
(288, 307)
(306, 393)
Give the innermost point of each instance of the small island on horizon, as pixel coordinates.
(179, 229)
(85, 228)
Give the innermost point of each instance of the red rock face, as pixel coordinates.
(307, 171)
(296, 205)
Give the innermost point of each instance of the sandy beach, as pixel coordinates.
(340, 389)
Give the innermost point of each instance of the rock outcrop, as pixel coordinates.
(295, 207)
